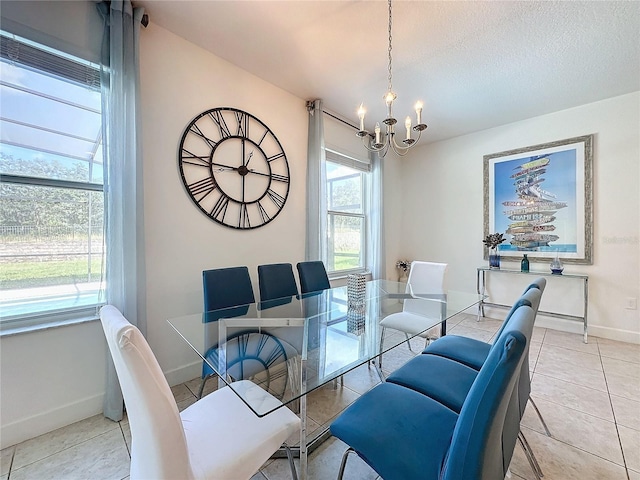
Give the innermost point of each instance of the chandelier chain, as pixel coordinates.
(390, 86)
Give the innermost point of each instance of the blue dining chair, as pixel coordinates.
(461, 364)
(405, 435)
(277, 284)
(313, 277)
(473, 353)
(224, 288)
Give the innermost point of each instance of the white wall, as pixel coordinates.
(179, 81)
(442, 209)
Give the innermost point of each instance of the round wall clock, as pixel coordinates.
(234, 168)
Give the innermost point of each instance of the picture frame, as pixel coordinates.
(541, 198)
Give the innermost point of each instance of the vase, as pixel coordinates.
(524, 264)
(403, 277)
(556, 265)
(494, 258)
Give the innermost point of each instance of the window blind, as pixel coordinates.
(79, 71)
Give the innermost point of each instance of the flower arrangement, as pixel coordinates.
(403, 265)
(493, 240)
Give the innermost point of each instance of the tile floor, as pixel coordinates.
(589, 395)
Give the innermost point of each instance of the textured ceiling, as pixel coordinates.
(475, 65)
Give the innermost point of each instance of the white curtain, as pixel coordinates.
(124, 222)
(376, 251)
(316, 186)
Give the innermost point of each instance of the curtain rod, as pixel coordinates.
(340, 119)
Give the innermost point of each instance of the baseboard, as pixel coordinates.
(572, 326)
(184, 373)
(44, 422)
(615, 334)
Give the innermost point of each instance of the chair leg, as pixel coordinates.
(546, 429)
(381, 346)
(408, 342)
(204, 380)
(343, 464)
(292, 465)
(533, 463)
(379, 372)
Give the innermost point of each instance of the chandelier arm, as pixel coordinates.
(366, 141)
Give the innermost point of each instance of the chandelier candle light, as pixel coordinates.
(375, 143)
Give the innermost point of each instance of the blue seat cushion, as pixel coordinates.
(468, 351)
(385, 425)
(442, 379)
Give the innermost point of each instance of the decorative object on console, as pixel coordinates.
(492, 241)
(234, 168)
(403, 266)
(556, 265)
(380, 142)
(524, 264)
(356, 290)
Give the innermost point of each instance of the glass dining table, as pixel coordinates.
(295, 345)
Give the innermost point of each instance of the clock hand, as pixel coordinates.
(222, 167)
(249, 159)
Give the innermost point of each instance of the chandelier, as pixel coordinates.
(380, 142)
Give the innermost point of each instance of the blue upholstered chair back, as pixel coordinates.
(226, 287)
(276, 281)
(313, 276)
(477, 446)
(530, 297)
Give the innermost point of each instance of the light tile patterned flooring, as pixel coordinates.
(589, 395)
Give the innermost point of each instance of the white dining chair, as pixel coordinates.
(418, 315)
(218, 437)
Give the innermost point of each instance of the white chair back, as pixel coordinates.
(426, 278)
(159, 448)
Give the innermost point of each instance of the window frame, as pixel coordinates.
(334, 156)
(44, 60)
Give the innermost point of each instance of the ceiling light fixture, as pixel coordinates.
(380, 142)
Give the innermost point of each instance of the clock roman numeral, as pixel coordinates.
(219, 210)
(220, 122)
(263, 213)
(276, 198)
(196, 131)
(279, 178)
(243, 221)
(202, 187)
(264, 135)
(200, 161)
(243, 124)
(275, 157)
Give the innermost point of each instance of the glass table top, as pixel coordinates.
(291, 346)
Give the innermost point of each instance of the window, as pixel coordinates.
(347, 183)
(51, 184)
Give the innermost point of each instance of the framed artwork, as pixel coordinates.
(541, 199)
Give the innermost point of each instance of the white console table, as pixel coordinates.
(481, 287)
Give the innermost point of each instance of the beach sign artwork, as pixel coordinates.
(533, 202)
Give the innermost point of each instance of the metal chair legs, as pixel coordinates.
(343, 464)
(533, 463)
(546, 429)
(204, 380)
(408, 342)
(294, 475)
